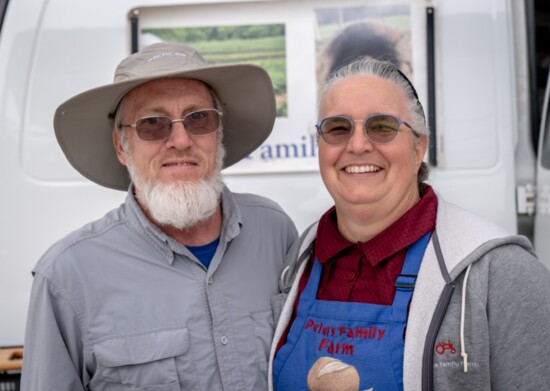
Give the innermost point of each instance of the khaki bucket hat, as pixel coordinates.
(84, 124)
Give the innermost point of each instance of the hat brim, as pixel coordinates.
(84, 129)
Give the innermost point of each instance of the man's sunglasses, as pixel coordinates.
(197, 123)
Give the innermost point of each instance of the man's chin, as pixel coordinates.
(181, 204)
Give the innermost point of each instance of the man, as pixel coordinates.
(170, 291)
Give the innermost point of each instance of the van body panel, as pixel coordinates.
(51, 50)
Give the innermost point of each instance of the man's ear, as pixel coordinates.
(119, 148)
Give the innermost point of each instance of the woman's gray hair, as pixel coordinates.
(367, 66)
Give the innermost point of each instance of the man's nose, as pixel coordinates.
(180, 137)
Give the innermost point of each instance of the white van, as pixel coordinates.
(469, 60)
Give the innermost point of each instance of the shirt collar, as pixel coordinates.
(410, 227)
(168, 246)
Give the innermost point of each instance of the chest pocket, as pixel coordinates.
(155, 361)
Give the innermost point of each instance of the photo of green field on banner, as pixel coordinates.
(260, 44)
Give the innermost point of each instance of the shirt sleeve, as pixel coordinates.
(519, 315)
(52, 358)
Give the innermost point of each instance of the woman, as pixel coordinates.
(394, 288)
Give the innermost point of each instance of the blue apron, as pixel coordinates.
(367, 336)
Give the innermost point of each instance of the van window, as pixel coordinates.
(67, 60)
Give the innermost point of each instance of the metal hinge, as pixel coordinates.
(526, 196)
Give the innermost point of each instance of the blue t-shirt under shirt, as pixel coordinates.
(205, 253)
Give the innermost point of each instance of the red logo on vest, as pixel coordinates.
(443, 346)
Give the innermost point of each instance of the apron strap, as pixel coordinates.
(405, 282)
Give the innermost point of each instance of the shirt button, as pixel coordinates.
(223, 340)
(352, 276)
(210, 279)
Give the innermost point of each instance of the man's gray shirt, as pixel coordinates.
(119, 305)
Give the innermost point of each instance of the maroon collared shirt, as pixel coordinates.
(366, 272)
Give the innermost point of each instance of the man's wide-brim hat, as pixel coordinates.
(84, 124)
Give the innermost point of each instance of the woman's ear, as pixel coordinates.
(420, 149)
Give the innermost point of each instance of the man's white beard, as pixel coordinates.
(182, 204)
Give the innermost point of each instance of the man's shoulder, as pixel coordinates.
(82, 239)
(258, 211)
(255, 201)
